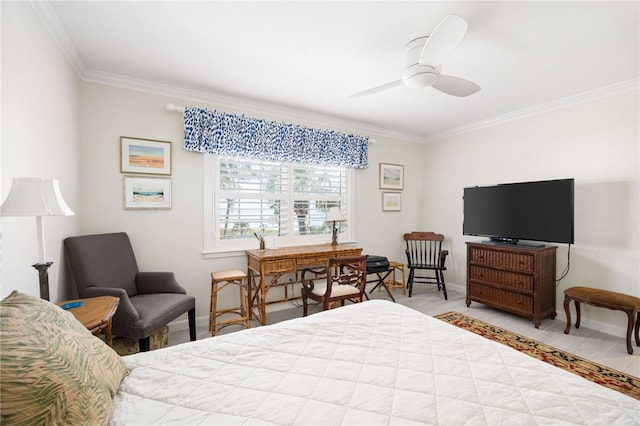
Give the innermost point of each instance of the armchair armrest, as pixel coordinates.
(307, 283)
(443, 257)
(158, 282)
(124, 308)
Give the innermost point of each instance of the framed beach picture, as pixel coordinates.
(147, 192)
(145, 156)
(391, 201)
(391, 176)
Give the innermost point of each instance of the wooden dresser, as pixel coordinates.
(516, 279)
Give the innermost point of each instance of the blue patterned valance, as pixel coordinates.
(239, 136)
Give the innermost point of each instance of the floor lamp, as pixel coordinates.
(334, 216)
(36, 197)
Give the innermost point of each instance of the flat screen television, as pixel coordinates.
(531, 211)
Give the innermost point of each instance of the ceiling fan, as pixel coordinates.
(425, 56)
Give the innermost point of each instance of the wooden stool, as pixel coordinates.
(220, 280)
(604, 299)
(391, 281)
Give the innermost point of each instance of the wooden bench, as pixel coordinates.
(604, 299)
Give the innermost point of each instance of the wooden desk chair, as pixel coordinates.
(425, 255)
(344, 278)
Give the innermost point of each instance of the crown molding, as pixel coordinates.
(287, 113)
(613, 89)
(246, 105)
(48, 16)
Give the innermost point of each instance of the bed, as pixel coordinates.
(370, 363)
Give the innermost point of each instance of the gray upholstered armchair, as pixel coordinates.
(104, 265)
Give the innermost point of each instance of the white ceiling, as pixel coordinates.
(308, 57)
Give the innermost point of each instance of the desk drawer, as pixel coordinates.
(322, 259)
(303, 262)
(284, 265)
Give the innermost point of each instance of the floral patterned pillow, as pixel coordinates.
(53, 370)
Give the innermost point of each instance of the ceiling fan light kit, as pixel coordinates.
(424, 58)
(419, 76)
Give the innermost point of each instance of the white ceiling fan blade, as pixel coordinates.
(443, 40)
(377, 89)
(455, 86)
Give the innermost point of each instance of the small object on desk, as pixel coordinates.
(72, 305)
(261, 240)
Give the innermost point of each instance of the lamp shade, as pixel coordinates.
(35, 197)
(335, 215)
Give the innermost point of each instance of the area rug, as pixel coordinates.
(605, 376)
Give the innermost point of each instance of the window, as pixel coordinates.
(285, 202)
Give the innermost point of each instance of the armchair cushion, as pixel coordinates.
(53, 370)
(320, 289)
(157, 310)
(158, 282)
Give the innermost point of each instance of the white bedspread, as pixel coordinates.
(371, 363)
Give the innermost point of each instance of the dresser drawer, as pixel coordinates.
(508, 280)
(515, 302)
(500, 259)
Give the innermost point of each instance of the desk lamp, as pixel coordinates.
(335, 216)
(36, 197)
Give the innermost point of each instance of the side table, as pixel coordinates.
(392, 283)
(96, 314)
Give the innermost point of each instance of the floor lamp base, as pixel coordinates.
(43, 274)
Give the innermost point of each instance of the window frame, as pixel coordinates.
(215, 247)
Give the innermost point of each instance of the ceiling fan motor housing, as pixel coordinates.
(419, 76)
(416, 75)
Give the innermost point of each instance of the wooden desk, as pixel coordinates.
(274, 263)
(96, 314)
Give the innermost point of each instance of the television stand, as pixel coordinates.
(513, 278)
(503, 240)
(511, 242)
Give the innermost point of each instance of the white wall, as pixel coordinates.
(173, 239)
(595, 142)
(40, 137)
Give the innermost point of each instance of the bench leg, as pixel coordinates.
(567, 310)
(629, 330)
(577, 313)
(638, 329)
